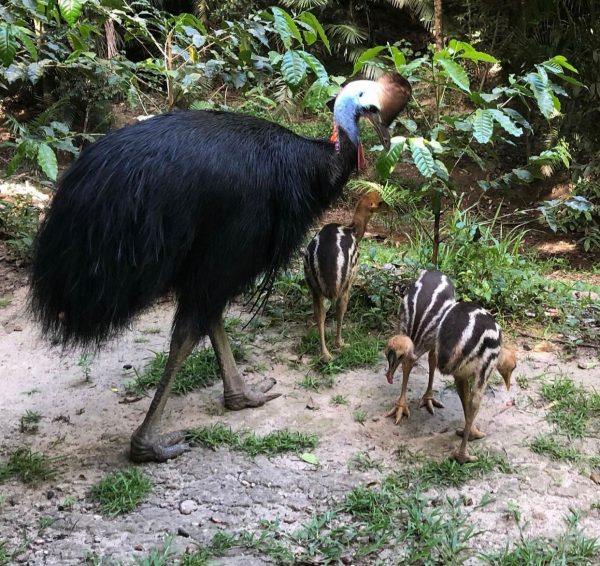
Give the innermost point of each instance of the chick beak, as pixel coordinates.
(380, 128)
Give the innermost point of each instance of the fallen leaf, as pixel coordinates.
(310, 458)
(595, 478)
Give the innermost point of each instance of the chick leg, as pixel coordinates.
(400, 409)
(471, 402)
(319, 309)
(475, 433)
(428, 399)
(340, 308)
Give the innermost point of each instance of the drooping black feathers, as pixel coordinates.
(199, 203)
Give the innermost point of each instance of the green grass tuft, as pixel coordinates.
(271, 444)
(549, 446)
(360, 350)
(574, 407)
(199, 370)
(452, 474)
(362, 462)
(27, 466)
(30, 422)
(338, 400)
(121, 492)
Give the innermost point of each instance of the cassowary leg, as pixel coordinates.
(146, 443)
(238, 395)
(340, 310)
(428, 399)
(401, 409)
(464, 391)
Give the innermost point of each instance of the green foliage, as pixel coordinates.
(19, 221)
(276, 442)
(121, 492)
(30, 421)
(555, 450)
(27, 466)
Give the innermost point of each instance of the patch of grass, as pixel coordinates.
(68, 502)
(199, 370)
(360, 350)
(162, 556)
(85, 364)
(522, 381)
(360, 415)
(121, 492)
(316, 382)
(276, 442)
(572, 407)
(572, 548)
(199, 557)
(449, 473)
(363, 462)
(4, 302)
(44, 522)
(151, 330)
(27, 466)
(338, 400)
(549, 446)
(30, 422)
(5, 554)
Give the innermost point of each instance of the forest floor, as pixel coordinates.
(87, 416)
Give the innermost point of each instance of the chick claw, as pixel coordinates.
(429, 403)
(399, 411)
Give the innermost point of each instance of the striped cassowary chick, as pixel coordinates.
(425, 303)
(469, 347)
(331, 265)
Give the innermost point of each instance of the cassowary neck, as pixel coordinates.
(361, 218)
(345, 158)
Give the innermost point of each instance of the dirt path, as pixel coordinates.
(86, 426)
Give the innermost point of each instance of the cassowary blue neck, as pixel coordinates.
(345, 117)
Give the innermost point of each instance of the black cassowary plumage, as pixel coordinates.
(200, 203)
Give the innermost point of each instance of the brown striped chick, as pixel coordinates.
(469, 347)
(331, 265)
(423, 307)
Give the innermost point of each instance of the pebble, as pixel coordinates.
(187, 507)
(182, 532)
(50, 494)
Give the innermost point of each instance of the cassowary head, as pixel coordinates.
(397, 349)
(378, 101)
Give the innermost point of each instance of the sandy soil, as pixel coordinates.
(86, 426)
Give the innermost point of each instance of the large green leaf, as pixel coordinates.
(562, 61)
(316, 66)
(46, 159)
(506, 122)
(71, 10)
(8, 45)
(23, 35)
(456, 73)
(422, 157)
(293, 67)
(312, 21)
(286, 27)
(465, 50)
(367, 56)
(398, 57)
(541, 91)
(387, 163)
(483, 125)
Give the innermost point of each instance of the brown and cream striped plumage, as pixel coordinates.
(469, 347)
(331, 265)
(424, 305)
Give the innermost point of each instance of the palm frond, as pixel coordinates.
(345, 34)
(304, 4)
(420, 9)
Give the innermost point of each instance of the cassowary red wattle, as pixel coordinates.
(197, 203)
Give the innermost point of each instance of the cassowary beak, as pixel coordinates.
(380, 128)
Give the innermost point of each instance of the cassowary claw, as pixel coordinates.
(399, 411)
(463, 458)
(429, 403)
(251, 397)
(166, 446)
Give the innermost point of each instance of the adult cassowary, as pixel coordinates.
(198, 203)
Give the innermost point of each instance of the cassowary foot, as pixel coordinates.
(326, 357)
(161, 449)
(475, 433)
(251, 396)
(339, 344)
(399, 411)
(429, 403)
(463, 458)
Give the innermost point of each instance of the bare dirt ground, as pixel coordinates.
(86, 426)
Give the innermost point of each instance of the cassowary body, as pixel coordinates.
(424, 305)
(331, 265)
(469, 347)
(197, 203)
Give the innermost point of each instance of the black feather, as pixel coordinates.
(198, 203)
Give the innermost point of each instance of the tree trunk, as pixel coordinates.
(437, 24)
(111, 39)
(436, 207)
